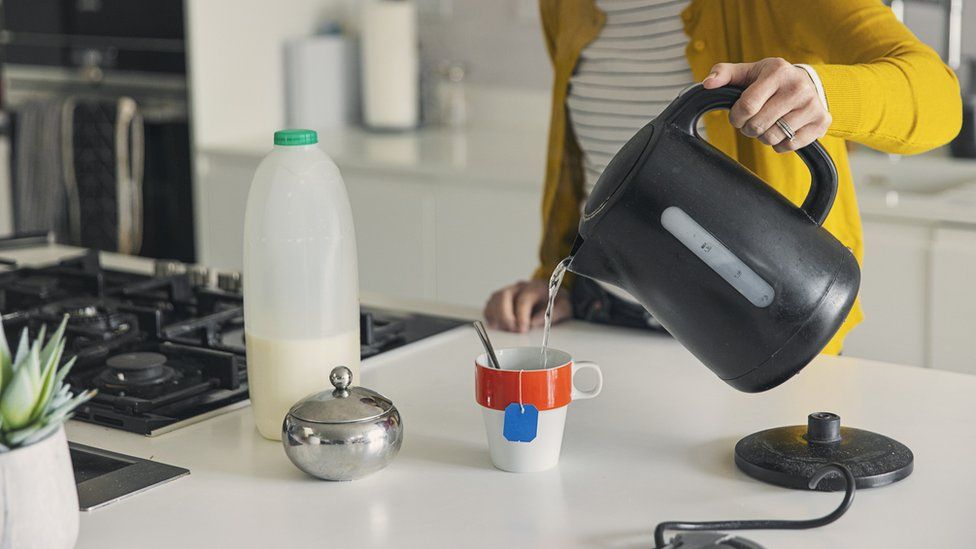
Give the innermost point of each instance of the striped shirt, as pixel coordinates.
(626, 77)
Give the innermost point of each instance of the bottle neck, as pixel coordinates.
(296, 148)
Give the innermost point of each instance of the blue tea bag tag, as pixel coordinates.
(521, 422)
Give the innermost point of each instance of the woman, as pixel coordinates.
(833, 70)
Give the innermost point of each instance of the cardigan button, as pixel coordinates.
(698, 45)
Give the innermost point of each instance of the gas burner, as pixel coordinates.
(84, 312)
(379, 334)
(89, 313)
(30, 287)
(162, 351)
(223, 330)
(29, 290)
(39, 283)
(137, 373)
(153, 386)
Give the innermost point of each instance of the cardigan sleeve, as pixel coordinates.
(562, 193)
(885, 88)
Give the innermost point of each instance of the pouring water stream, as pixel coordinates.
(555, 281)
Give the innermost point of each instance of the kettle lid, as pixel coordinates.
(617, 173)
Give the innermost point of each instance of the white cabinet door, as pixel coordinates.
(953, 309)
(220, 192)
(486, 238)
(451, 241)
(394, 224)
(894, 285)
(394, 234)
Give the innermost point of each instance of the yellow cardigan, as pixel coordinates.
(884, 89)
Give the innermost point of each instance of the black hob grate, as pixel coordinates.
(161, 350)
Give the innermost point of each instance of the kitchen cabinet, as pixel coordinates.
(486, 238)
(395, 235)
(953, 300)
(894, 294)
(220, 197)
(449, 241)
(442, 237)
(918, 296)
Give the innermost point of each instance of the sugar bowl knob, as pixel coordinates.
(340, 378)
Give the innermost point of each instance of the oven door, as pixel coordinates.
(68, 68)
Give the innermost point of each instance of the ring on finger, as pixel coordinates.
(787, 129)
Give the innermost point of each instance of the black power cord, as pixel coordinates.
(818, 475)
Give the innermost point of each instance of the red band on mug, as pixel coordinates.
(544, 389)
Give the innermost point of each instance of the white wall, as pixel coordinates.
(235, 62)
(499, 40)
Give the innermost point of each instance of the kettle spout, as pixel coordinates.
(589, 260)
(576, 245)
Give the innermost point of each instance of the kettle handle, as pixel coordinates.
(696, 101)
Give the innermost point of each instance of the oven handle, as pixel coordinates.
(68, 169)
(129, 137)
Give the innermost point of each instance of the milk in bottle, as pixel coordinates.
(301, 291)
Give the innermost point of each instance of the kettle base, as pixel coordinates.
(787, 456)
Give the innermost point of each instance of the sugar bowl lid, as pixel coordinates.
(344, 404)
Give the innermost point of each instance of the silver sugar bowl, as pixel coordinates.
(343, 434)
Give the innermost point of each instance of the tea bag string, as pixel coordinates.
(521, 404)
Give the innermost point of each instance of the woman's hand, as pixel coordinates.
(522, 305)
(774, 89)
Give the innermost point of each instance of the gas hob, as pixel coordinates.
(163, 351)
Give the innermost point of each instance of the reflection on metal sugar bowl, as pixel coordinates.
(343, 434)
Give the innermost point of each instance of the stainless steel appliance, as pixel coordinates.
(107, 79)
(162, 351)
(104, 477)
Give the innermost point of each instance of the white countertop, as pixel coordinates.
(655, 445)
(930, 188)
(492, 156)
(889, 187)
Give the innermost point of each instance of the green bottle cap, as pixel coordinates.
(295, 137)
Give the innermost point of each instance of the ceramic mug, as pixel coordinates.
(524, 405)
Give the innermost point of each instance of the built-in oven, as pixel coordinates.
(95, 93)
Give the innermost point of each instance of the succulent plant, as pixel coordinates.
(34, 400)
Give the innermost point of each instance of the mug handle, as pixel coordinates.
(587, 365)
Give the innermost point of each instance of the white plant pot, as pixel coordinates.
(38, 499)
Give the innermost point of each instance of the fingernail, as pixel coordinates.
(710, 75)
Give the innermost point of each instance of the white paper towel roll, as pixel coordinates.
(321, 78)
(390, 64)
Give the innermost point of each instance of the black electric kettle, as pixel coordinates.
(749, 283)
